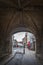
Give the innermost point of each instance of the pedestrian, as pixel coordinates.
(28, 44)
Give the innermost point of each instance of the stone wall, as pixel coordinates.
(5, 46)
(42, 48)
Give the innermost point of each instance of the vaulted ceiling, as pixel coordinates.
(27, 13)
(21, 3)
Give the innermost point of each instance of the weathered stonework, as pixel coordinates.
(14, 16)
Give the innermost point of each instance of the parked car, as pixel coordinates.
(20, 45)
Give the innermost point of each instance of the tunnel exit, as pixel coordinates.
(22, 41)
(23, 48)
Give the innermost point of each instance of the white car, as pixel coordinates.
(20, 45)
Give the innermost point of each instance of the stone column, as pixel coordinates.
(38, 45)
(9, 45)
(41, 52)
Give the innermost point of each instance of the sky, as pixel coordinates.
(20, 35)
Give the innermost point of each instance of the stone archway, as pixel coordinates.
(24, 21)
(22, 29)
(19, 19)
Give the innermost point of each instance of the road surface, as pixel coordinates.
(24, 59)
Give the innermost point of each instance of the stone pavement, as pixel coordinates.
(24, 59)
(7, 59)
(10, 57)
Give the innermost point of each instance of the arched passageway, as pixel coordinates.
(17, 16)
(19, 57)
(25, 23)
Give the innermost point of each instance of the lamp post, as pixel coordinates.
(26, 38)
(25, 42)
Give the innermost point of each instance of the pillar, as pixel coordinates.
(38, 45)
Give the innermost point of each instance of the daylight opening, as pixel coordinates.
(22, 41)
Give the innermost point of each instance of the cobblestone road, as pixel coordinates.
(24, 59)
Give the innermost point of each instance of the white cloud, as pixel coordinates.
(19, 36)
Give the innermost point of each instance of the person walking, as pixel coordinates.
(28, 44)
